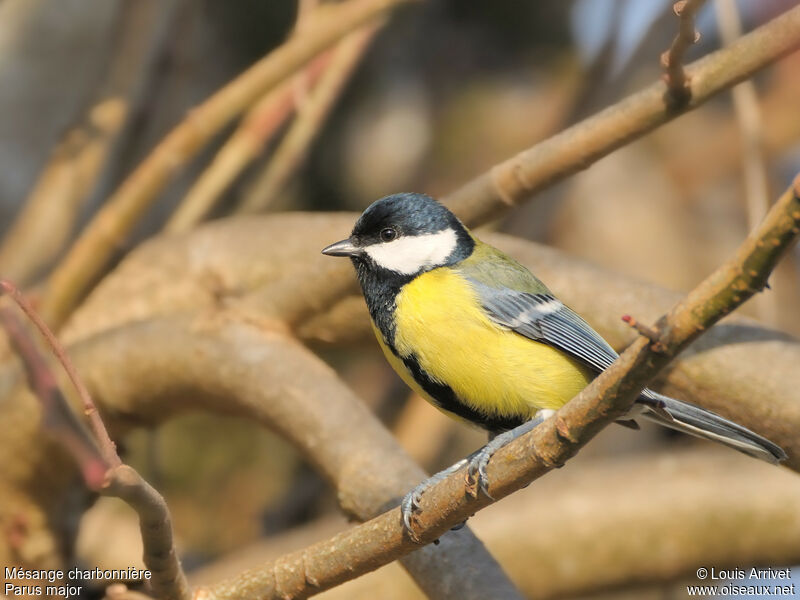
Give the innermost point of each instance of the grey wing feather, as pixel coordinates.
(544, 318)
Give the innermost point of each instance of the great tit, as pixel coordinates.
(481, 338)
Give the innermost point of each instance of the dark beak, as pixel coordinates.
(343, 248)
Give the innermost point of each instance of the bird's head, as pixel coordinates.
(405, 234)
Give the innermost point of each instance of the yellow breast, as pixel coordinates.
(490, 368)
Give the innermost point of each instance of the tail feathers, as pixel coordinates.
(705, 424)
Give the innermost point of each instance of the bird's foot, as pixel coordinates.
(410, 502)
(477, 479)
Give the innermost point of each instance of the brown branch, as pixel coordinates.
(667, 501)
(754, 165)
(678, 91)
(520, 177)
(92, 251)
(312, 113)
(642, 329)
(244, 146)
(107, 447)
(44, 224)
(168, 579)
(237, 365)
(57, 418)
(269, 268)
(138, 63)
(102, 469)
(381, 540)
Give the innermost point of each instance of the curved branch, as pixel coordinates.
(101, 467)
(229, 364)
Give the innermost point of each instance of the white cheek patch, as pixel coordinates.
(410, 254)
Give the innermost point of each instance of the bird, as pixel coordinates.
(481, 338)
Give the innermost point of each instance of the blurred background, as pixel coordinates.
(443, 91)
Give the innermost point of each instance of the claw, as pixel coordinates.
(410, 504)
(480, 460)
(477, 480)
(411, 501)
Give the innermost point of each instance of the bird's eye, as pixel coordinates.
(388, 234)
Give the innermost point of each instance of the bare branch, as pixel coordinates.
(312, 113)
(678, 91)
(107, 447)
(46, 220)
(754, 166)
(671, 504)
(642, 329)
(92, 251)
(235, 364)
(103, 470)
(57, 418)
(740, 369)
(168, 580)
(244, 146)
(520, 177)
(381, 540)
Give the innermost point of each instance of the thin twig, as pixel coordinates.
(678, 91)
(381, 540)
(305, 12)
(520, 177)
(167, 577)
(139, 61)
(107, 447)
(57, 417)
(102, 468)
(754, 165)
(45, 222)
(94, 248)
(243, 147)
(312, 113)
(642, 329)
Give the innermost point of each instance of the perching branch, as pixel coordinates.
(102, 469)
(520, 177)
(233, 363)
(92, 251)
(671, 506)
(678, 91)
(608, 397)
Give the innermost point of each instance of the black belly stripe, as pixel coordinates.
(447, 400)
